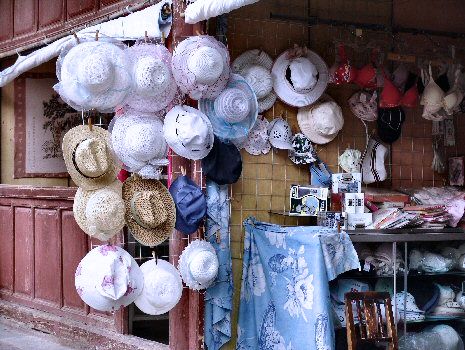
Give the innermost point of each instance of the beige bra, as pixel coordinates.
(432, 97)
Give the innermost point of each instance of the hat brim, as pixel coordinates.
(185, 258)
(154, 236)
(143, 301)
(267, 102)
(70, 141)
(230, 131)
(284, 89)
(251, 58)
(79, 210)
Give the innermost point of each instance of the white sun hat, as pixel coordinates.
(200, 66)
(188, 132)
(100, 213)
(255, 66)
(321, 122)
(94, 75)
(300, 77)
(153, 83)
(257, 141)
(108, 278)
(162, 287)
(350, 160)
(198, 265)
(138, 142)
(280, 134)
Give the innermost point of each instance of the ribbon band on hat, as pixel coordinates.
(77, 167)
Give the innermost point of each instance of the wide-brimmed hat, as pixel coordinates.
(188, 132)
(322, 122)
(255, 66)
(94, 75)
(257, 140)
(198, 265)
(234, 111)
(162, 287)
(108, 278)
(191, 205)
(153, 84)
(302, 150)
(150, 211)
(100, 213)
(280, 134)
(223, 164)
(138, 142)
(300, 77)
(200, 66)
(88, 157)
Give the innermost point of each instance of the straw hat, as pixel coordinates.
(108, 278)
(88, 157)
(234, 112)
(255, 67)
(94, 74)
(162, 287)
(198, 265)
(138, 142)
(150, 211)
(100, 213)
(300, 77)
(200, 66)
(188, 132)
(153, 83)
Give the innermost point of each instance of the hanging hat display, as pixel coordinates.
(108, 278)
(150, 210)
(100, 213)
(302, 150)
(88, 157)
(191, 205)
(390, 122)
(153, 84)
(188, 132)
(280, 134)
(300, 77)
(373, 168)
(223, 164)
(350, 160)
(94, 75)
(364, 105)
(200, 66)
(257, 141)
(138, 142)
(255, 66)
(234, 111)
(198, 265)
(162, 287)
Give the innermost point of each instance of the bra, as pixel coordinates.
(454, 96)
(366, 76)
(392, 97)
(432, 97)
(345, 72)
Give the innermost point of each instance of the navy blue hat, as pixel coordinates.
(191, 205)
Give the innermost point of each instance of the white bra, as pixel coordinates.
(432, 97)
(454, 96)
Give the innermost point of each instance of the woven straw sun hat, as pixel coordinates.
(88, 157)
(100, 213)
(108, 278)
(153, 84)
(94, 75)
(162, 287)
(150, 210)
(255, 66)
(137, 141)
(198, 265)
(200, 66)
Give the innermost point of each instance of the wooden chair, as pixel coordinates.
(370, 329)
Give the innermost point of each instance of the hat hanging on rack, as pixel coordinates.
(389, 123)
(280, 134)
(257, 140)
(350, 160)
(302, 150)
(373, 168)
(364, 105)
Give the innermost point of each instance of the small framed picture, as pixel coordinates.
(456, 171)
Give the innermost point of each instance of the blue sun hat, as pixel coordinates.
(234, 112)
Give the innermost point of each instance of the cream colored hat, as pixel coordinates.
(162, 287)
(150, 210)
(88, 157)
(100, 213)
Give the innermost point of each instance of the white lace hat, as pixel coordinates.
(300, 77)
(108, 278)
(138, 142)
(100, 213)
(94, 75)
(200, 66)
(280, 134)
(255, 66)
(257, 141)
(153, 83)
(188, 132)
(162, 287)
(198, 265)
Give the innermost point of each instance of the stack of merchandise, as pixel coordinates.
(392, 218)
(429, 216)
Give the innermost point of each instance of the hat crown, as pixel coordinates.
(148, 209)
(203, 266)
(303, 74)
(280, 130)
(151, 76)
(91, 157)
(326, 118)
(206, 64)
(260, 79)
(96, 72)
(145, 141)
(161, 287)
(232, 105)
(193, 130)
(114, 277)
(104, 212)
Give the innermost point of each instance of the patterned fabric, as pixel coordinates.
(218, 297)
(303, 152)
(285, 302)
(339, 254)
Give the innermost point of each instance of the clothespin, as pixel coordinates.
(183, 171)
(154, 255)
(146, 37)
(96, 35)
(76, 37)
(89, 122)
(163, 37)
